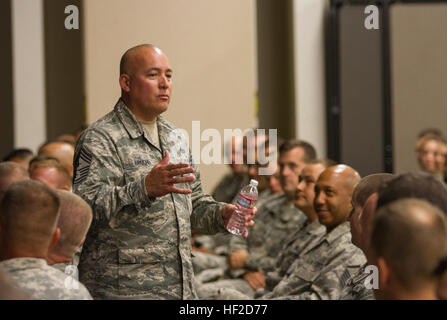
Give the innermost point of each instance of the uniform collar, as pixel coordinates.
(315, 227)
(338, 232)
(134, 127)
(17, 264)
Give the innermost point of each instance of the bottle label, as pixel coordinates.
(246, 202)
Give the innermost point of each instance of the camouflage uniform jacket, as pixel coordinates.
(40, 281)
(229, 187)
(317, 273)
(353, 283)
(137, 247)
(295, 243)
(273, 224)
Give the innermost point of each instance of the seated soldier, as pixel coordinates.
(408, 239)
(316, 273)
(74, 221)
(431, 156)
(252, 258)
(28, 218)
(232, 182)
(11, 172)
(353, 280)
(312, 230)
(62, 151)
(20, 156)
(8, 288)
(52, 173)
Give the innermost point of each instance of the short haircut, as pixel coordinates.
(419, 185)
(74, 221)
(309, 150)
(323, 161)
(11, 172)
(367, 186)
(22, 154)
(411, 235)
(28, 215)
(430, 132)
(124, 62)
(45, 144)
(40, 158)
(53, 163)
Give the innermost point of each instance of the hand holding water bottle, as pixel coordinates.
(242, 214)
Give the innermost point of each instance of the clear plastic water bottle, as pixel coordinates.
(245, 201)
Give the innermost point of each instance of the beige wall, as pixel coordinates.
(419, 71)
(211, 47)
(310, 86)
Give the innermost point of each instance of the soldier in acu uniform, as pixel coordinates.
(139, 244)
(29, 213)
(317, 271)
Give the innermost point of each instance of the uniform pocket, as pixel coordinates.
(145, 270)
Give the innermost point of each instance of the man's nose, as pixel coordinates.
(163, 82)
(319, 199)
(300, 186)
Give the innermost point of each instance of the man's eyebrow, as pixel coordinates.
(158, 69)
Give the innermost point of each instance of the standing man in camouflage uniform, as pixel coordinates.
(138, 246)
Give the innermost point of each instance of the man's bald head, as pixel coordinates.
(74, 221)
(411, 236)
(11, 172)
(333, 192)
(28, 217)
(130, 57)
(62, 151)
(345, 174)
(52, 173)
(146, 81)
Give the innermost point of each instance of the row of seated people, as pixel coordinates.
(300, 248)
(316, 237)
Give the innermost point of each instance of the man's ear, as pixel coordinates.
(125, 82)
(384, 273)
(54, 239)
(82, 242)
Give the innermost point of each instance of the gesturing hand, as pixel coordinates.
(161, 179)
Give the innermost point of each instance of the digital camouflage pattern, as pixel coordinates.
(274, 222)
(294, 245)
(317, 272)
(138, 247)
(62, 266)
(229, 187)
(40, 281)
(353, 282)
